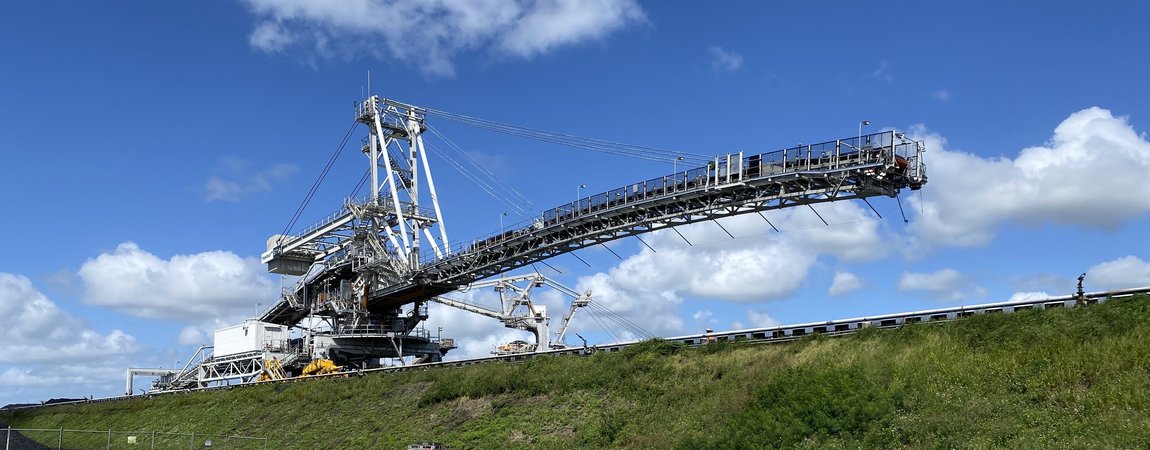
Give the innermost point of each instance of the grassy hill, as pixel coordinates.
(1062, 378)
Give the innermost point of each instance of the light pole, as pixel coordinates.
(675, 164)
(578, 194)
(861, 124)
(501, 222)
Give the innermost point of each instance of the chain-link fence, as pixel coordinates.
(60, 438)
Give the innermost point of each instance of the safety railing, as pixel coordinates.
(887, 147)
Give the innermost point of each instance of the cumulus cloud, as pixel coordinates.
(193, 287)
(1025, 296)
(270, 37)
(234, 180)
(1071, 180)
(35, 330)
(945, 284)
(431, 33)
(723, 60)
(650, 287)
(32, 383)
(191, 335)
(1126, 272)
(844, 283)
(761, 319)
(654, 309)
(47, 352)
(942, 95)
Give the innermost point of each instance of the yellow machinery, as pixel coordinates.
(273, 370)
(320, 367)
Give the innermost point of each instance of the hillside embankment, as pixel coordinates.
(1061, 378)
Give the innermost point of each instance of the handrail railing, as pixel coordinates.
(830, 156)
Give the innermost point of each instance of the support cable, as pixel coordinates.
(490, 183)
(621, 320)
(612, 251)
(599, 145)
(552, 267)
(723, 228)
(319, 180)
(904, 220)
(872, 207)
(760, 213)
(362, 181)
(646, 244)
(482, 169)
(602, 324)
(580, 259)
(817, 214)
(681, 235)
(491, 190)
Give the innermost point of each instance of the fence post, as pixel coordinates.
(60, 439)
(8, 440)
(153, 439)
(192, 443)
(109, 439)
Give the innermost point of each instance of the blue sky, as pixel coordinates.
(150, 148)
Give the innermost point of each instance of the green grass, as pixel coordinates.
(1062, 378)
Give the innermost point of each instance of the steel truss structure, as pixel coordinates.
(731, 185)
(514, 292)
(211, 371)
(364, 264)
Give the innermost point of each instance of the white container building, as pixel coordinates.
(251, 336)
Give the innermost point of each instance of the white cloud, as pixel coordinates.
(191, 335)
(759, 265)
(47, 352)
(233, 180)
(882, 72)
(1024, 296)
(854, 234)
(723, 60)
(1125, 272)
(187, 287)
(35, 330)
(942, 95)
(26, 377)
(702, 314)
(945, 279)
(726, 271)
(431, 33)
(1044, 282)
(545, 25)
(843, 283)
(38, 382)
(270, 37)
(655, 308)
(1072, 180)
(761, 319)
(945, 284)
